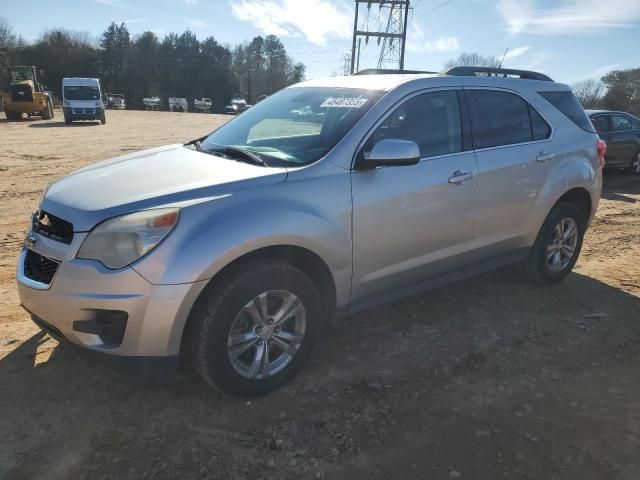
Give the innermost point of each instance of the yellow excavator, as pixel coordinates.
(27, 95)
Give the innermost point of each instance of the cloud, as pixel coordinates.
(197, 23)
(316, 20)
(417, 41)
(111, 3)
(597, 73)
(516, 52)
(571, 17)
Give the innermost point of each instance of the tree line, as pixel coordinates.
(616, 90)
(178, 65)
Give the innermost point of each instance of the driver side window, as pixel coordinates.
(432, 120)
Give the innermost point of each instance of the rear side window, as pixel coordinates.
(620, 123)
(540, 129)
(601, 123)
(501, 118)
(569, 105)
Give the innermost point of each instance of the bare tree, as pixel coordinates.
(7, 37)
(466, 59)
(589, 92)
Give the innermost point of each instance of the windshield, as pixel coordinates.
(22, 73)
(84, 92)
(296, 126)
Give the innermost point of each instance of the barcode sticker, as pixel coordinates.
(343, 102)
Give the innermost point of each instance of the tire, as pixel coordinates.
(46, 113)
(635, 165)
(547, 270)
(12, 116)
(223, 315)
(103, 118)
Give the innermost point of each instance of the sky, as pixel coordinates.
(570, 40)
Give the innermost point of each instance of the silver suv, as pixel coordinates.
(235, 251)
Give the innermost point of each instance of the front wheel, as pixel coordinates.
(103, 118)
(256, 328)
(558, 244)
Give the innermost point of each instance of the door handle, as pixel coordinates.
(460, 177)
(545, 157)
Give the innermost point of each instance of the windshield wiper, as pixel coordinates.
(226, 150)
(246, 154)
(196, 144)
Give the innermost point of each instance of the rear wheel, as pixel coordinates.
(256, 328)
(558, 244)
(635, 165)
(12, 116)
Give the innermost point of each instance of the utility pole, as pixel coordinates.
(346, 64)
(394, 15)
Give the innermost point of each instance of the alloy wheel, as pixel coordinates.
(562, 247)
(635, 166)
(267, 334)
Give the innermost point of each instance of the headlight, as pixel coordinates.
(121, 241)
(66, 103)
(98, 103)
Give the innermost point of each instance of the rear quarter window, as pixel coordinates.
(569, 105)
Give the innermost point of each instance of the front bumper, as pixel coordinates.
(90, 113)
(83, 293)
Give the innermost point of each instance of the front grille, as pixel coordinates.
(53, 227)
(82, 111)
(39, 268)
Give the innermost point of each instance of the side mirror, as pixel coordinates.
(391, 152)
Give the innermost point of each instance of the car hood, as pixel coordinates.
(150, 178)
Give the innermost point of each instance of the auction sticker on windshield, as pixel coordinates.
(343, 102)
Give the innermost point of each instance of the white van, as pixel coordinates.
(82, 100)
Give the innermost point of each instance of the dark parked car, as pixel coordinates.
(621, 131)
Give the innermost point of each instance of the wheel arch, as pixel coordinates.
(580, 197)
(310, 263)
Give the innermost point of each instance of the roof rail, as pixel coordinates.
(497, 72)
(388, 71)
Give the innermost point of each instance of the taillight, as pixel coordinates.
(601, 146)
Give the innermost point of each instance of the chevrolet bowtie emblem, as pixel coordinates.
(30, 241)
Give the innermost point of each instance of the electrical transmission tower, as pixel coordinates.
(391, 33)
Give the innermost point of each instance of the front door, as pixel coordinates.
(412, 222)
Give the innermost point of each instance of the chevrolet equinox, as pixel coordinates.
(235, 251)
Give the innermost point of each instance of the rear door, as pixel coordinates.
(513, 146)
(621, 141)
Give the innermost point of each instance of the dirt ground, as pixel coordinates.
(485, 379)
